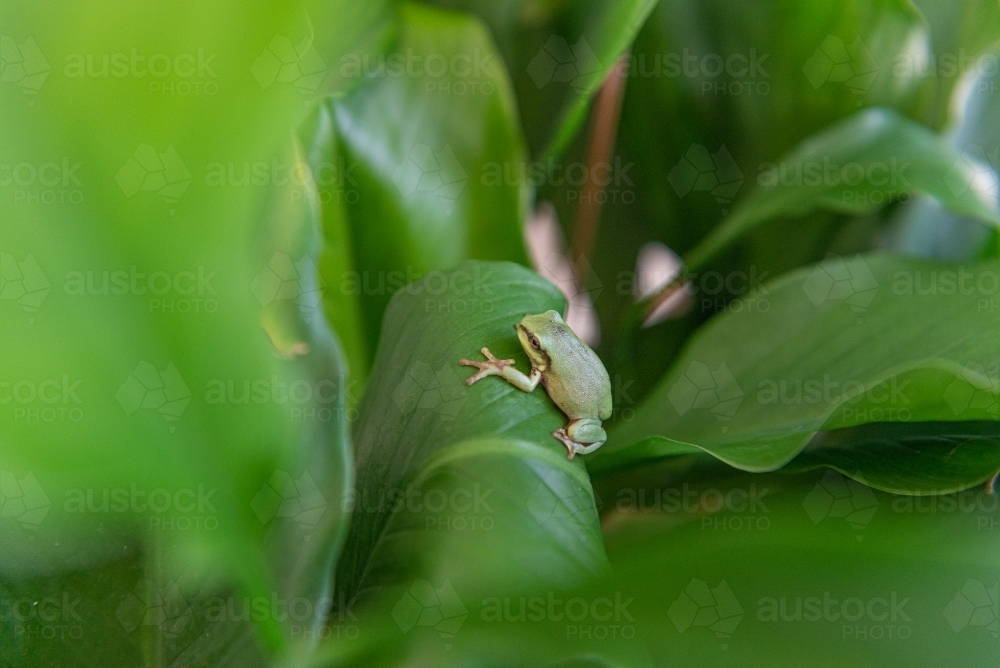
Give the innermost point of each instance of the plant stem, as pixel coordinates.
(603, 130)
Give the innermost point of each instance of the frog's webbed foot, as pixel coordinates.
(571, 446)
(491, 367)
(581, 436)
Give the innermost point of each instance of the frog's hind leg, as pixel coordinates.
(581, 436)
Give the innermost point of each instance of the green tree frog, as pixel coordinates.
(570, 372)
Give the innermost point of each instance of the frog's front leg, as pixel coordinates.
(503, 368)
(582, 436)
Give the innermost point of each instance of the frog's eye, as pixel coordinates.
(533, 340)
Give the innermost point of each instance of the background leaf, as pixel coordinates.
(752, 388)
(921, 458)
(924, 227)
(558, 55)
(423, 145)
(774, 573)
(884, 156)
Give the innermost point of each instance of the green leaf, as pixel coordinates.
(850, 341)
(962, 33)
(904, 458)
(558, 55)
(423, 146)
(750, 576)
(422, 432)
(876, 156)
(926, 228)
(343, 309)
(305, 526)
(601, 32)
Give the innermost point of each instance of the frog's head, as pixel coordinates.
(537, 333)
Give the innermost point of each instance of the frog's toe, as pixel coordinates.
(571, 445)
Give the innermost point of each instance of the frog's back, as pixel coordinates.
(580, 382)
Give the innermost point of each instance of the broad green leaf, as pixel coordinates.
(926, 228)
(305, 526)
(815, 570)
(486, 518)
(355, 33)
(422, 433)
(423, 147)
(857, 166)
(330, 180)
(849, 341)
(558, 55)
(962, 34)
(922, 458)
(579, 62)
